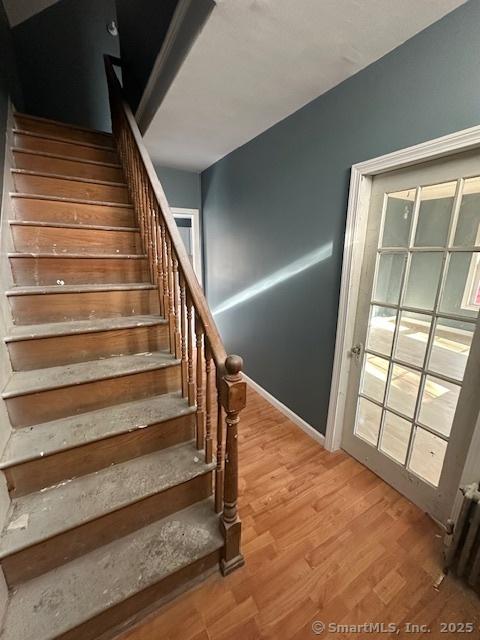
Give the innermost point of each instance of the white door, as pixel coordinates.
(188, 223)
(414, 383)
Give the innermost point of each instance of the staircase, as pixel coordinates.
(115, 383)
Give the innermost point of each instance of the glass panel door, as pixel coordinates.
(420, 321)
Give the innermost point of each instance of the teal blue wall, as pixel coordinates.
(60, 61)
(9, 84)
(283, 196)
(182, 188)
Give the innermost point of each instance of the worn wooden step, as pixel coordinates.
(71, 211)
(62, 130)
(40, 304)
(56, 163)
(49, 345)
(84, 598)
(51, 269)
(51, 184)
(49, 453)
(37, 396)
(33, 236)
(68, 520)
(32, 141)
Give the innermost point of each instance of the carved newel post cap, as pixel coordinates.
(233, 365)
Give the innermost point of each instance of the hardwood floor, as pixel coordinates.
(324, 540)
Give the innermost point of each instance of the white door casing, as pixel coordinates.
(357, 218)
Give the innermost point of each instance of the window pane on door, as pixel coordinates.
(412, 338)
(398, 219)
(461, 295)
(423, 279)
(428, 453)
(468, 224)
(375, 377)
(434, 215)
(381, 329)
(389, 277)
(368, 420)
(451, 347)
(395, 437)
(403, 390)
(439, 401)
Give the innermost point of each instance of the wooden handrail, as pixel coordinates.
(193, 336)
(196, 293)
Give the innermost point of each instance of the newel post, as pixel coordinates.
(233, 393)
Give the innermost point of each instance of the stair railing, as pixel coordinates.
(208, 376)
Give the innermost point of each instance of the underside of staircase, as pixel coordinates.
(109, 504)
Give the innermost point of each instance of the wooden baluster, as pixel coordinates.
(166, 295)
(233, 395)
(200, 418)
(219, 468)
(146, 217)
(146, 213)
(151, 227)
(160, 265)
(158, 246)
(183, 336)
(191, 381)
(176, 311)
(171, 308)
(208, 402)
(153, 217)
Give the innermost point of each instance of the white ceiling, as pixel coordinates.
(258, 61)
(20, 10)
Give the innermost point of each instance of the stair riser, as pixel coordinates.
(141, 605)
(70, 149)
(33, 210)
(47, 186)
(32, 239)
(47, 271)
(51, 553)
(55, 351)
(59, 131)
(59, 307)
(51, 470)
(64, 167)
(36, 408)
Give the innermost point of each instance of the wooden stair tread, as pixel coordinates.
(30, 443)
(61, 176)
(29, 290)
(46, 136)
(66, 125)
(58, 156)
(54, 329)
(52, 604)
(97, 203)
(63, 507)
(68, 225)
(34, 381)
(74, 254)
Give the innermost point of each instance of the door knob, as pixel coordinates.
(356, 351)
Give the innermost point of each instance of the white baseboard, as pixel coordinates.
(300, 422)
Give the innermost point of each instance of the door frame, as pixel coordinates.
(194, 216)
(361, 179)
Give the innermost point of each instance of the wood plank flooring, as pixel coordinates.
(324, 540)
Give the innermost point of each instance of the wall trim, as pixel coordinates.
(295, 418)
(357, 213)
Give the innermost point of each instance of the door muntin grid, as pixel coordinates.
(391, 305)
